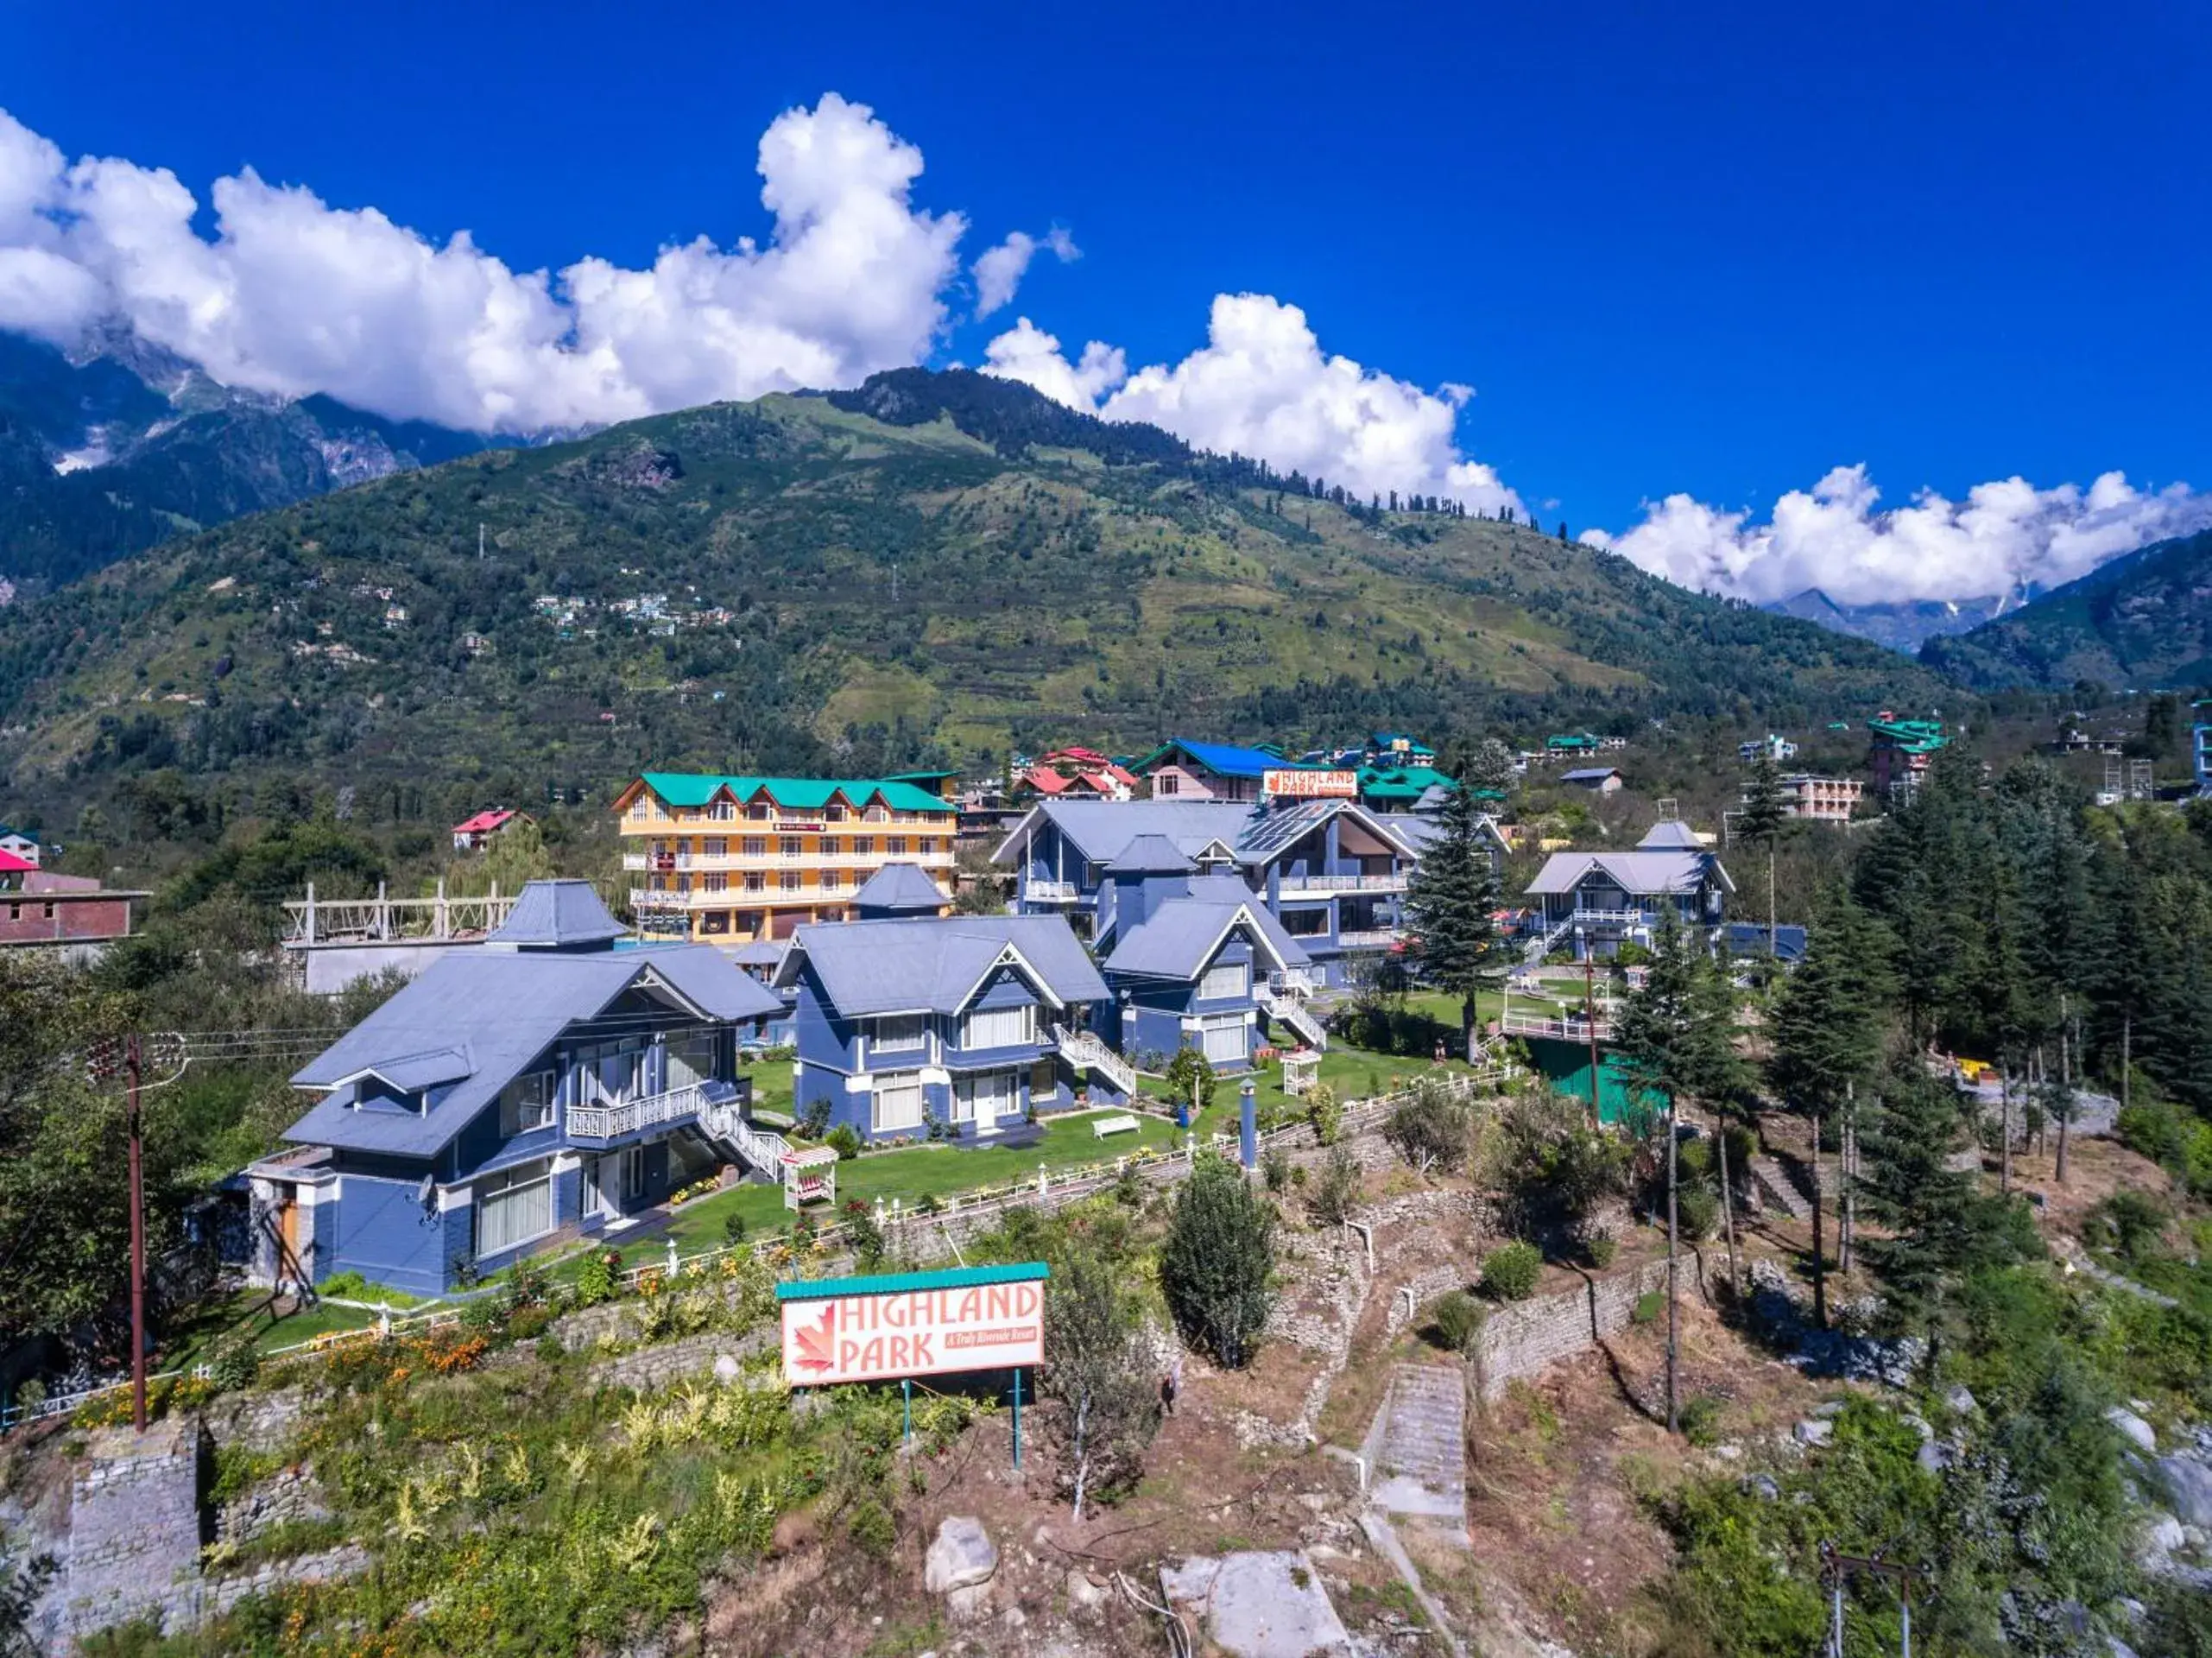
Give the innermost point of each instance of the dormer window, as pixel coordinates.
(999, 1027)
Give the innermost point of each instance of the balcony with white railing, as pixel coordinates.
(1322, 886)
(1290, 981)
(1572, 1028)
(1050, 892)
(605, 1120)
(1088, 1051)
(675, 862)
(1365, 938)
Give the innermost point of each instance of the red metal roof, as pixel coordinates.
(482, 824)
(10, 864)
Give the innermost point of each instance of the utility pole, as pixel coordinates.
(128, 1056)
(1836, 1569)
(479, 543)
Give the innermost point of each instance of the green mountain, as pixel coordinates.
(932, 566)
(2142, 621)
(101, 458)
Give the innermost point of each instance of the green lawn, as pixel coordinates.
(249, 1310)
(771, 1085)
(909, 1173)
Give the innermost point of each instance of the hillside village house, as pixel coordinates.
(1332, 872)
(1074, 774)
(1899, 752)
(1599, 780)
(1183, 771)
(1821, 799)
(544, 1086)
(2201, 745)
(42, 909)
(732, 858)
(1593, 902)
(473, 834)
(17, 844)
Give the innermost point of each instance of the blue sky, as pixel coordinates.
(1712, 250)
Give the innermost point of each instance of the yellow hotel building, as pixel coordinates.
(725, 859)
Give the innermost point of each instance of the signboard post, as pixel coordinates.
(895, 1326)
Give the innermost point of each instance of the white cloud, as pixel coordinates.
(292, 295)
(999, 270)
(1026, 353)
(1260, 387)
(1833, 537)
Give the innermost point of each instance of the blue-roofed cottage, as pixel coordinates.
(545, 1086)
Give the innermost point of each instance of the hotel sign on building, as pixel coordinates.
(1303, 785)
(889, 1327)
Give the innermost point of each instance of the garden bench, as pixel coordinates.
(1106, 1125)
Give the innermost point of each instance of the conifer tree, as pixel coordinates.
(1451, 906)
(1938, 1226)
(1826, 1036)
(1098, 1378)
(1761, 820)
(1216, 1261)
(1677, 1040)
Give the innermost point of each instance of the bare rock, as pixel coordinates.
(962, 1557)
(2132, 1428)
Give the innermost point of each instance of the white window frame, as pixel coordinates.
(525, 1104)
(528, 1184)
(897, 1086)
(1023, 1018)
(1214, 1024)
(791, 881)
(1225, 981)
(901, 1034)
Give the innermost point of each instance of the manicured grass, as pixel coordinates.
(909, 1173)
(1353, 1073)
(773, 1086)
(250, 1311)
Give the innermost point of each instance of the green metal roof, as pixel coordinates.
(1913, 736)
(894, 1283)
(800, 794)
(1582, 740)
(1402, 783)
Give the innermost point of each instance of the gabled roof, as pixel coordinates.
(10, 864)
(1151, 855)
(556, 915)
(1181, 938)
(483, 822)
(1669, 835)
(1642, 874)
(1201, 830)
(758, 953)
(1222, 759)
(794, 794)
(900, 887)
(477, 1019)
(935, 964)
(1590, 774)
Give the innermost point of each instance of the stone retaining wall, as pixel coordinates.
(255, 1421)
(134, 1524)
(291, 1495)
(1526, 1337)
(652, 1368)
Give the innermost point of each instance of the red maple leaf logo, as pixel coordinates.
(815, 1348)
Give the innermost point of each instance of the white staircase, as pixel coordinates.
(1087, 1051)
(724, 1120)
(1285, 1006)
(1544, 943)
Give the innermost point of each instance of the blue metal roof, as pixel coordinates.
(1151, 855)
(897, 887)
(1178, 940)
(557, 915)
(935, 963)
(1226, 760)
(893, 1283)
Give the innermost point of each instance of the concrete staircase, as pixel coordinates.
(1421, 1460)
(1776, 1189)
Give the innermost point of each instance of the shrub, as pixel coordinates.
(594, 1278)
(1649, 1306)
(1332, 1195)
(1129, 1188)
(1697, 1210)
(233, 1363)
(733, 1228)
(1189, 1073)
(871, 1528)
(1324, 1111)
(844, 1140)
(864, 1235)
(1599, 1248)
(1700, 1421)
(1432, 1127)
(1216, 1261)
(1459, 1322)
(1274, 1168)
(815, 1123)
(1509, 1271)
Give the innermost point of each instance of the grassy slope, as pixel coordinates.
(1052, 596)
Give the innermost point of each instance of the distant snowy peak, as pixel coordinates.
(1906, 625)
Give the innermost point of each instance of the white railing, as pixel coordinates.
(1293, 884)
(644, 898)
(1566, 1030)
(761, 1148)
(1609, 917)
(738, 863)
(1086, 1048)
(1290, 981)
(1050, 892)
(1353, 937)
(1294, 1014)
(606, 1121)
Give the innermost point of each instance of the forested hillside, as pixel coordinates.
(793, 584)
(2142, 623)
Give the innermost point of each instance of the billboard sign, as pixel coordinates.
(891, 1327)
(1288, 785)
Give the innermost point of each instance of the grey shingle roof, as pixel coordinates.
(1180, 936)
(1151, 855)
(558, 915)
(1669, 835)
(1640, 873)
(933, 964)
(900, 887)
(483, 1016)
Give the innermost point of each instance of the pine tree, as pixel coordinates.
(1677, 1040)
(1826, 1036)
(1764, 812)
(1939, 1227)
(1099, 1378)
(1451, 906)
